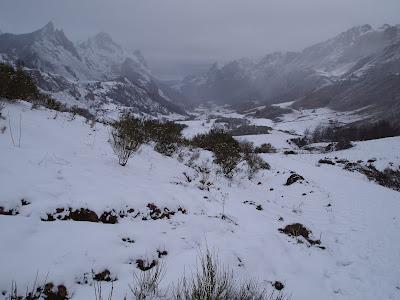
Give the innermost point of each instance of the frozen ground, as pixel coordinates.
(64, 163)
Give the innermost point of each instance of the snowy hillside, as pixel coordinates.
(61, 166)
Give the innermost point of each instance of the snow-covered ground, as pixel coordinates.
(64, 163)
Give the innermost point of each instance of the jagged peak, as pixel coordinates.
(103, 37)
(101, 40)
(140, 57)
(48, 28)
(355, 31)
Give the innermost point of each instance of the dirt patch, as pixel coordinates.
(87, 215)
(128, 240)
(326, 162)
(289, 152)
(297, 230)
(156, 213)
(144, 265)
(258, 206)
(10, 212)
(89, 277)
(25, 202)
(161, 253)
(294, 178)
(49, 292)
(109, 217)
(104, 276)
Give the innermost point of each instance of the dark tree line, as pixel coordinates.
(369, 131)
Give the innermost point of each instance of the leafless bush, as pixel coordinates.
(255, 163)
(126, 138)
(204, 172)
(146, 283)
(98, 293)
(122, 147)
(213, 281)
(38, 291)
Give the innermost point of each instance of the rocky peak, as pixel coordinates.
(141, 58)
(47, 31)
(102, 41)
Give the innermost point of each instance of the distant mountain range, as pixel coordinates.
(97, 73)
(357, 68)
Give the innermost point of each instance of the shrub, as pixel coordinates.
(83, 112)
(213, 281)
(227, 157)
(16, 84)
(255, 164)
(300, 142)
(168, 136)
(38, 291)
(246, 147)
(265, 148)
(343, 145)
(226, 149)
(126, 137)
(146, 284)
(168, 132)
(209, 140)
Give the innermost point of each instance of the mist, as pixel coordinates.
(179, 37)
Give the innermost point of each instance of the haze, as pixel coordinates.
(179, 37)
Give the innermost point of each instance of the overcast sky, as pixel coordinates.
(176, 36)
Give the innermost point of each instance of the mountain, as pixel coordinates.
(358, 57)
(373, 83)
(93, 73)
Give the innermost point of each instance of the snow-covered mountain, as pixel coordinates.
(288, 76)
(93, 73)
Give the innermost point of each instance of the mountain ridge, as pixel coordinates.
(291, 76)
(93, 73)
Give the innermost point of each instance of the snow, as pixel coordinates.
(66, 163)
(298, 121)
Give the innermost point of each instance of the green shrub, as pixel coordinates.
(16, 84)
(226, 149)
(168, 136)
(126, 137)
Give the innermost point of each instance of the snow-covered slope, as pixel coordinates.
(65, 163)
(77, 74)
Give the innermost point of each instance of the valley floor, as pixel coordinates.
(59, 163)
